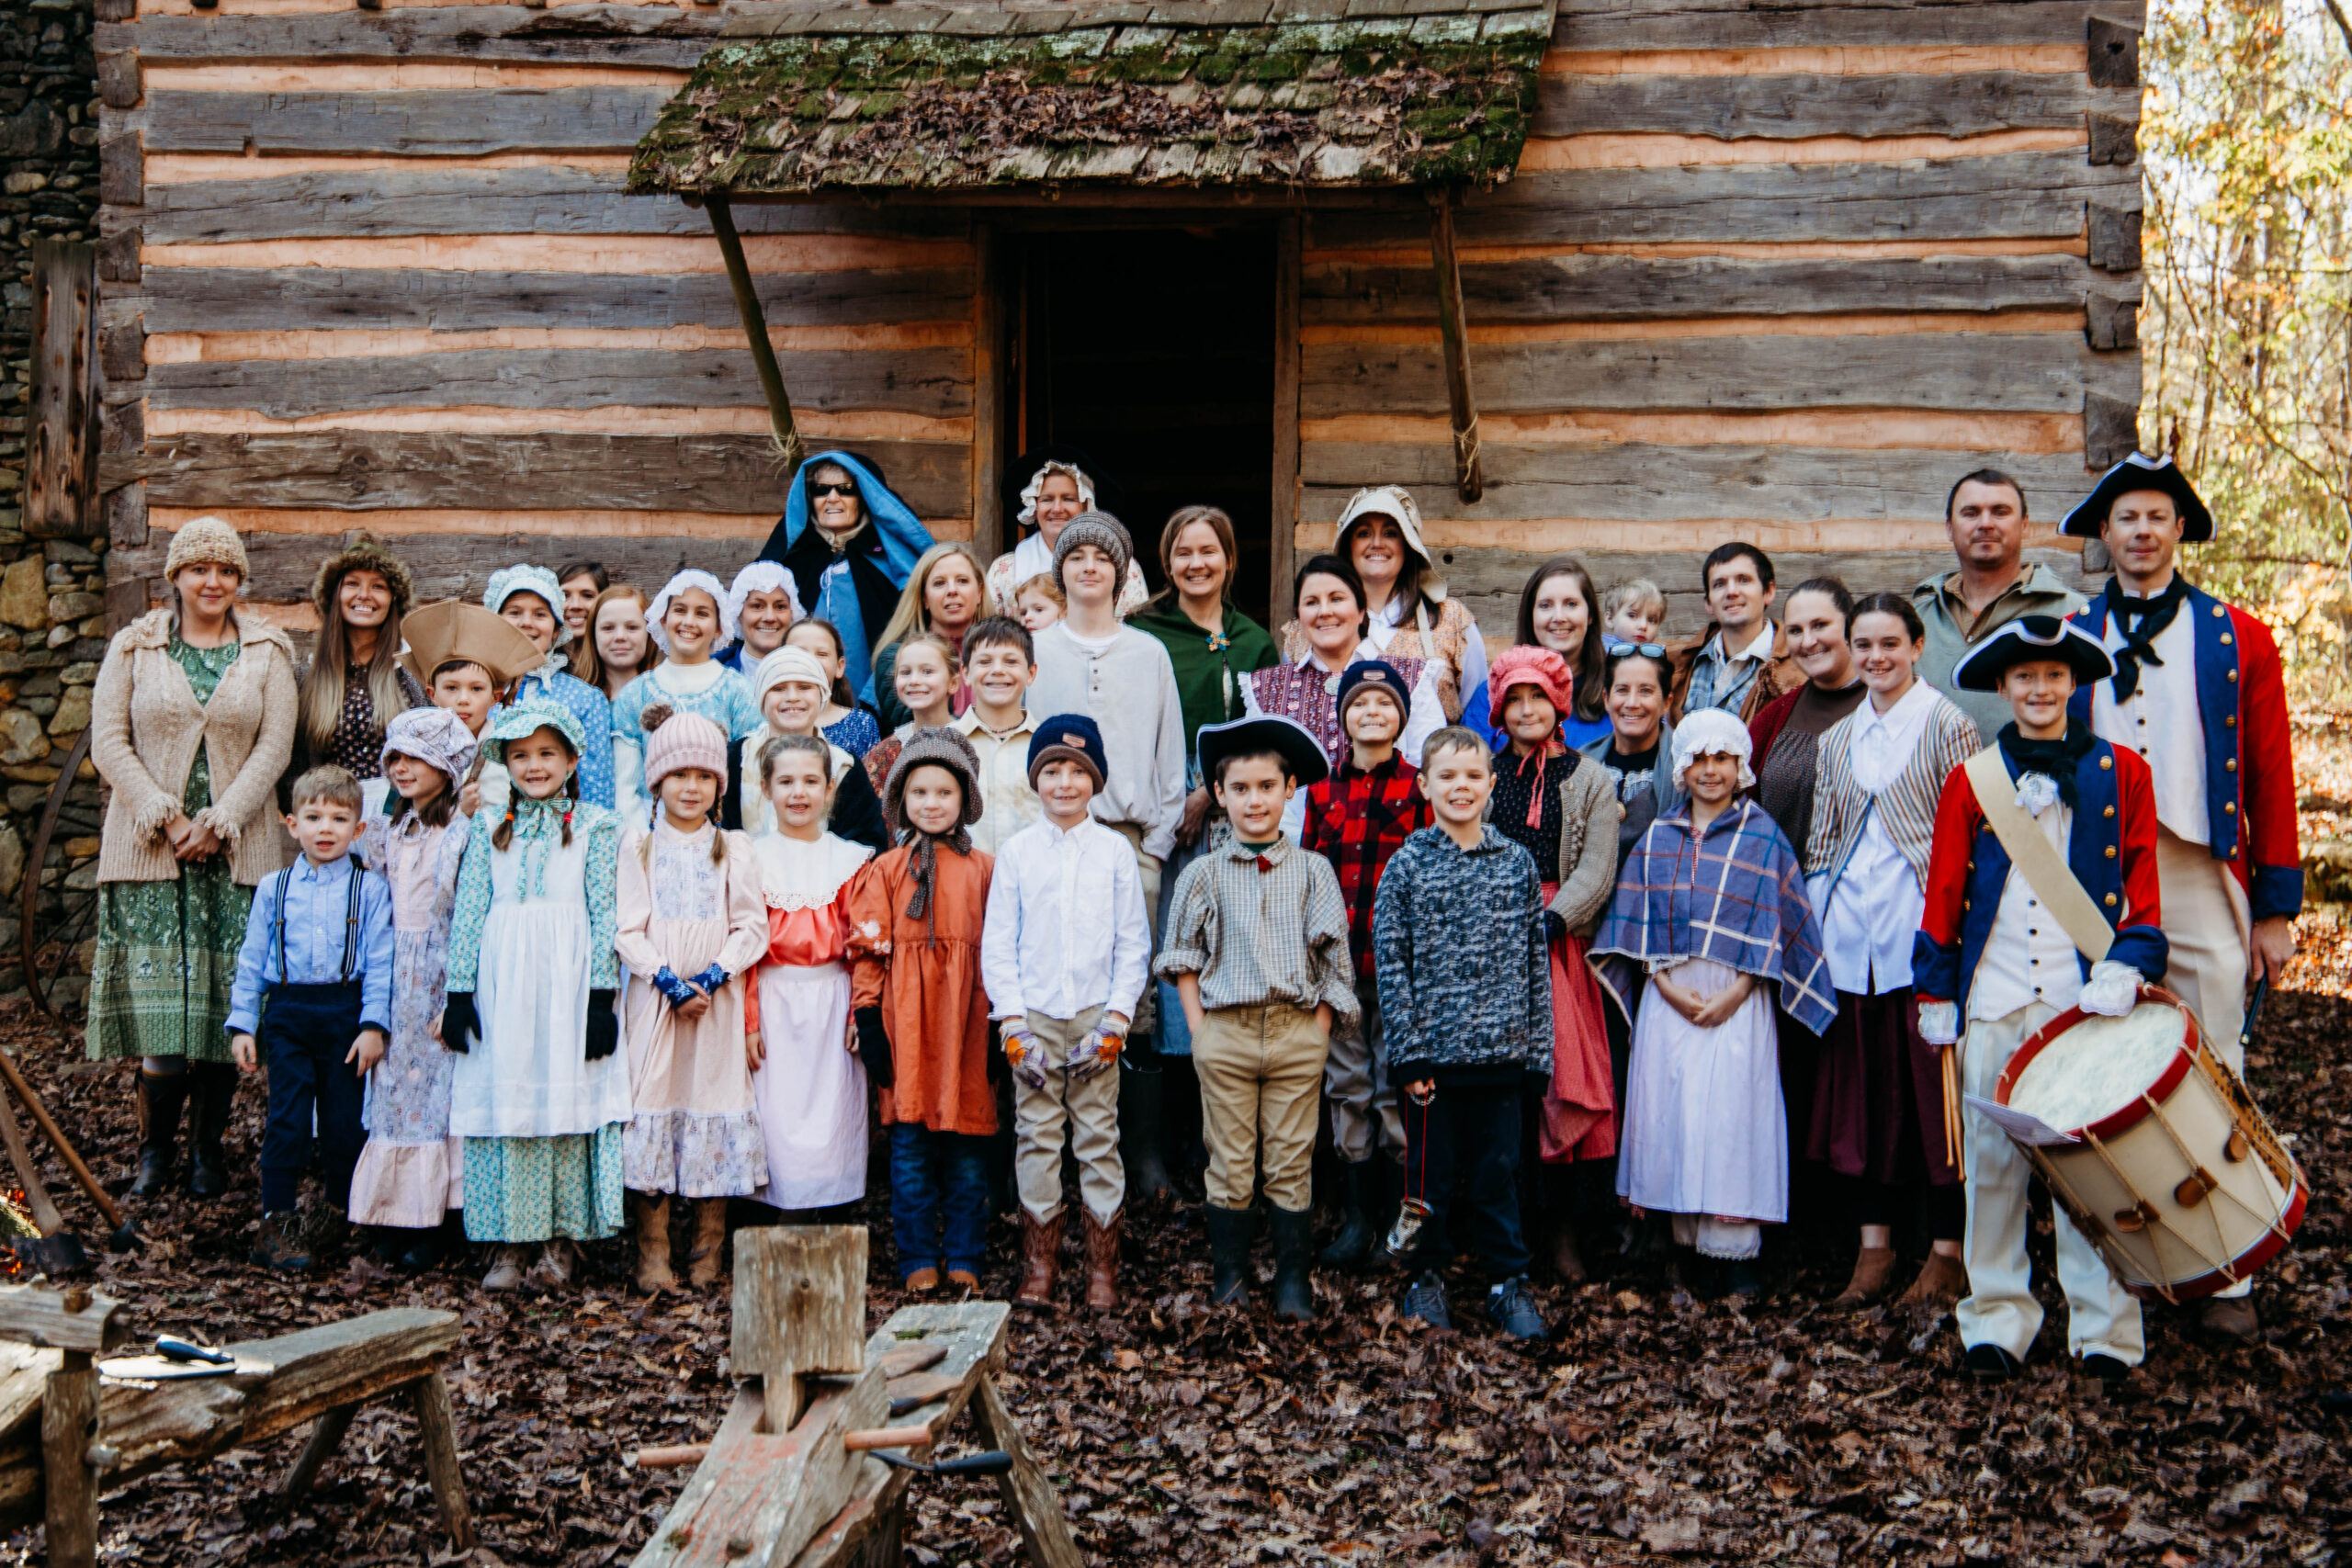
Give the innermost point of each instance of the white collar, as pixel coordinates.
(1906, 719)
(1759, 649)
(797, 875)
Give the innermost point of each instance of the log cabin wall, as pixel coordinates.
(1774, 274)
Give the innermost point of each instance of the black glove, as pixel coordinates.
(1555, 928)
(458, 1021)
(604, 1026)
(874, 1047)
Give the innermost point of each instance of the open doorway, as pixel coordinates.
(1154, 350)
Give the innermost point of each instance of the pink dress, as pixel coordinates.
(811, 1090)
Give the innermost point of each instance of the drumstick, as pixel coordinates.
(2253, 1010)
(1953, 1140)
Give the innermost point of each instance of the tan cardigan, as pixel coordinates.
(144, 725)
(1589, 812)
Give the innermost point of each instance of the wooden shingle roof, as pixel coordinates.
(1230, 93)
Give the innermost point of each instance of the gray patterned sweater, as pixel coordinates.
(1465, 980)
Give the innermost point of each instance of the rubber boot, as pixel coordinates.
(1140, 1110)
(1353, 1243)
(1231, 1232)
(653, 1275)
(1293, 1247)
(213, 1090)
(161, 1096)
(709, 1245)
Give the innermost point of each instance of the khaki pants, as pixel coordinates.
(1148, 867)
(1089, 1106)
(1363, 1103)
(1262, 1074)
(1999, 1308)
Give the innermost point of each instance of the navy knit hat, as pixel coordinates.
(1069, 737)
(1380, 676)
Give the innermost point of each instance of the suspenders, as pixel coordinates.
(350, 922)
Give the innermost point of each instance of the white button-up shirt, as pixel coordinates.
(2160, 723)
(1874, 908)
(2028, 958)
(1007, 803)
(1065, 929)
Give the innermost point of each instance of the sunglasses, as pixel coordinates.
(835, 488)
(1646, 649)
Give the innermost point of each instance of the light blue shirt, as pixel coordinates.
(317, 900)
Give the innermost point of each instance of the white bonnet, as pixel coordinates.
(1711, 732)
(759, 577)
(1037, 482)
(693, 577)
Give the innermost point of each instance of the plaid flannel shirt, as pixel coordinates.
(1357, 819)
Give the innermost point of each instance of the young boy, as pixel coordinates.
(1466, 996)
(1991, 965)
(1000, 662)
(1632, 612)
(1257, 944)
(1356, 819)
(1064, 955)
(314, 981)
(466, 657)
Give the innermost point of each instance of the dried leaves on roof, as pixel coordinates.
(1377, 101)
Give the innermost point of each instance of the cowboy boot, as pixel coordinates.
(1141, 1107)
(653, 1275)
(1041, 1246)
(160, 1097)
(1103, 1260)
(710, 1242)
(214, 1087)
(1873, 1273)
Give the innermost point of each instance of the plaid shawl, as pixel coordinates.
(1735, 896)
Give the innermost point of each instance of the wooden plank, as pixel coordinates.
(1028, 1495)
(63, 1320)
(2005, 195)
(24, 1375)
(1614, 287)
(365, 469)
(437, 1426)
(61, 428)
(1742, 24)
(69, 1424)
(326, 1435)
(549, 200)
(990, 370)
(449, 122)
(924, 381)
(1461, 397)
(297, 298)
(799, 1303)
(1647, 483)
(1967, 104)
(569, 35)
(1282, 508)
(1990, 371)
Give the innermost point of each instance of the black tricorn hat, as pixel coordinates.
(2140, 471)
(2026, 639)
(1268, 732)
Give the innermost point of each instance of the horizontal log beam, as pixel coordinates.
(660, 255)
(1811, 103)
(570, 35)
(1860, 429)
(445, 121)
(859, 426)
(1741, 24)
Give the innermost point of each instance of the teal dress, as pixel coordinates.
(167, 951)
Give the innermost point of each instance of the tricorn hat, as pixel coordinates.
(451, 629)
(2026, 639)
(2140, 471)
(1300, 751)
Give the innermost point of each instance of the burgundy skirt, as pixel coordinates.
(1878, 1095)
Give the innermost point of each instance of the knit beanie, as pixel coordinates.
(1373, 675)
(1105, 532)
(1068, 736)
(788, 664)
(206, 541)
(938, 746)
(684, 740)
(365, 553)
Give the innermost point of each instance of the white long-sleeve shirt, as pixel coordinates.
(1128, 689)
(1065, 929)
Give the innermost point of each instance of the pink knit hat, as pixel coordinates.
(684, 740)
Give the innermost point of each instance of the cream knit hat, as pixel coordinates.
(206, 540)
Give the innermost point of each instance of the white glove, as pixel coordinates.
(1939, 1023)
(2112, 990)
(2037, 793)
(1025, 1056)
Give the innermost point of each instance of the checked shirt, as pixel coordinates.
(1357, 819)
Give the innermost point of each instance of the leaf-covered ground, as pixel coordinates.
(1656, 1424)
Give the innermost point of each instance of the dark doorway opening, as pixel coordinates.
(1154, 350)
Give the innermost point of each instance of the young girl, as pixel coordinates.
(924, 679)
(686, 621)
(541, 1094)
(411, 1172)
(691, 923)
(852, 728)
(1712, 907)
(791, 687)
(616, 650)
(923, 1012)
(809, 1089)
(1039, 603)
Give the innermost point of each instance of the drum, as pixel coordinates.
(2164, 1162)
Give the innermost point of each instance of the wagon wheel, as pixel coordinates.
(47, 952)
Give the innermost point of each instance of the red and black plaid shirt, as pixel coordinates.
(1356, 821)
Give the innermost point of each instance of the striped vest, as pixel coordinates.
(1907, 808)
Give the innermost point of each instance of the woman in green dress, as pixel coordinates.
(191, 723)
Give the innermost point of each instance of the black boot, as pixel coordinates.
(215, 1093)
(1180, 1118)
(1230, 1231)
(1140, 1081)
(1353, 1243)
(161, 1096)
(1293, 1246)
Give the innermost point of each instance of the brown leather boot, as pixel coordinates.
(1873, 1271)
(1041, 1259)
(1103, 1260)
(1943, 1282)
(710, 1243)
(653, 1274)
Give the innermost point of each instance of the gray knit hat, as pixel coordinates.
(1105, 532)
(942, 747)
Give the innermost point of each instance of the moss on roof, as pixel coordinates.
(1381, 100)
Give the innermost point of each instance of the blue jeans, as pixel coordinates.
(934, 1174)
(306, 1032)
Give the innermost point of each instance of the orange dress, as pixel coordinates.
(924, 973)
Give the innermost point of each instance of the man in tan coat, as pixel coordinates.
(1741, 662)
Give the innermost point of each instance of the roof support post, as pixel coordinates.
(755, 326)
(1469, 470)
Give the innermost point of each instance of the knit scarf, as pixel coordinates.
(538, 825)
(922, 907)
(2054, 759)
(2141, 622)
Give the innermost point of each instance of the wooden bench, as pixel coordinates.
(63, 1435)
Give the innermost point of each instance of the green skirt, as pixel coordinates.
(166, 963)
(520, 1190)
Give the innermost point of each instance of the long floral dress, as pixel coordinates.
(167, 951)
(412, 1171)
(532, 939)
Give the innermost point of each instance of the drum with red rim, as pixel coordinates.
(2169, 1165)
